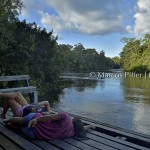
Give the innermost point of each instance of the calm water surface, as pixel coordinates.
(122, 102)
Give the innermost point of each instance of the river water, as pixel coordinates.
(122, 101)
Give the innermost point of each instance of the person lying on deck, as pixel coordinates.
(20, 107)
(56, 126)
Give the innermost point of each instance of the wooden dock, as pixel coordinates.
(104, 138)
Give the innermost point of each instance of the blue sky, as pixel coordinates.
(98, 24)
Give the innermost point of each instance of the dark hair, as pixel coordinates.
(27, 110)
(80, 133)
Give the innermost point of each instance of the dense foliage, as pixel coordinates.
(136, 54)
(117, 62)
(78, 59)
(26, 48)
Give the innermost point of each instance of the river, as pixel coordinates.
(122, 101)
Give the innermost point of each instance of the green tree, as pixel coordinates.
(80, 59)
(26, 48)
(135, 54)
(116, 61)
(9, 10)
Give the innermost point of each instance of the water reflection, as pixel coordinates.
(80, 84)
(122, 102)
(137, 90)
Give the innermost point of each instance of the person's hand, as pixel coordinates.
(32, 123)
(45, 113)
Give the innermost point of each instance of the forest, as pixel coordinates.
(135, 55)
(26, 48)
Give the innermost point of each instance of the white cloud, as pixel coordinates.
(98, 17)
(87, 16)
(30, 7)
(25, 10)
(142, 17)
(129, 29)
(51, 22)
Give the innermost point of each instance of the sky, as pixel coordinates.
(98, 24)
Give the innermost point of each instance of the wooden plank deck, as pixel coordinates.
(96, 140)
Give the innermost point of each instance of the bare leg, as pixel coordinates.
(8, 95)
(14, 96)
(14, 120)
(12, 126)
(20, 99)
(13, 101)
(5, 108)
(10, 103)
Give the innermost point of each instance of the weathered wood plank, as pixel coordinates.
(22, 142)
(99, 145)
(109, 142)
(83, 146)
(14, 78)
(28, 89)
(118, 140)
(127, 133)
(63, 145)
(78, 144)
(117, 130)
(45, 145)
(7, 144)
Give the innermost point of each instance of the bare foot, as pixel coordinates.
(93, 127)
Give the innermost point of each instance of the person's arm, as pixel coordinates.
(33, 122)
(46, 105)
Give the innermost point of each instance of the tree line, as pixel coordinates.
(79, 59)
(136, 54)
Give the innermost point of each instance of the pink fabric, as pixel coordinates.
(19, 111)
(54, 129)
